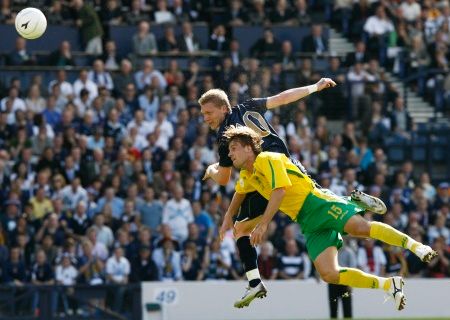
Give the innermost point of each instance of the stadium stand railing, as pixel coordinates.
(70, 302)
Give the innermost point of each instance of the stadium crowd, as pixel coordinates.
(101, 177)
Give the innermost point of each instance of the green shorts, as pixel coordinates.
(322, 219)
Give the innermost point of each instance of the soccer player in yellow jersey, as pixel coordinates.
(322, 215)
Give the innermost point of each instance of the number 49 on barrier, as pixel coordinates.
(166, 295)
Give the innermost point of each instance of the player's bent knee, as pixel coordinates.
(358, 226)
(240, 235)
(244, 228)
(363, 229)
(240, 232)
(330, 276)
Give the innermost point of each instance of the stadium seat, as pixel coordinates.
(294, 34)
(396, 149)
(122, 35)
(439, 149)
(51, 39)
(419, 148)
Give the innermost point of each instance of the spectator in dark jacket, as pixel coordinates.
(315, 42)
(90, 27)
(62, 57)
(20, 56)
(218, 41)
(143, 268)
(267, 45)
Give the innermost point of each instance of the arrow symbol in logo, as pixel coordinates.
(25, 25)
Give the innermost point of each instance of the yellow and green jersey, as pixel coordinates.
(274, 170)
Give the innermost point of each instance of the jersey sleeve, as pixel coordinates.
(242, 186)
(274, 170)
(224, 159)
(256, 104)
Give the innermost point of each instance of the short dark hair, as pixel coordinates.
(246, 136)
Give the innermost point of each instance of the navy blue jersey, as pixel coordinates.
(250, 114)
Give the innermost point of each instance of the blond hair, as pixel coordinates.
(245, 136)
(217, 97)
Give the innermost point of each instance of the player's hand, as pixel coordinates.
(325, 83)
(258, 234)
(227, 224)
(210, 170)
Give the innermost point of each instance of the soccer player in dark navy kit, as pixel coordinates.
(219, 115)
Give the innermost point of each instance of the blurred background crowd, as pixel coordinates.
(101, 170)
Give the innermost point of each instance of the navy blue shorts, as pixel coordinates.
(252, 207)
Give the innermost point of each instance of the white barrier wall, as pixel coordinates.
(287, 300)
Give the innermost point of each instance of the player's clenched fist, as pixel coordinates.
(210, 170)
(325, 83)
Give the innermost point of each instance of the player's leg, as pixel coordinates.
(327, 266)
(364, 200)
(249, 216)
(333, 299)
(247, 252)
(347, 302)
(360, 227)
(322, 218)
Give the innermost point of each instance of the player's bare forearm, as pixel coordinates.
(221, 175)
(292, 95)
(235, 204)
(276, 197)
(233, 209)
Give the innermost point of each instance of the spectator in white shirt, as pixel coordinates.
(136, 140)
(357, 78)
(73, 194)
(104, 233)
(16, 102)
(82, 103)
(168, 261)
(378, 28)
(65, 274)
(35, 102)
(117, 272)
(117, 267)
(163, 129)
(178, 214)
(143, 126)
(206, 154)
(98, 248)
(371, 258)
(410, 10)
(162, 14)
(149, 102)
(145, 75)
(99, 76)
(378, 24)
(83, 82)
(65, 86)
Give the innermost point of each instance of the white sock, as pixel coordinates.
(382, 282)
(253, 274)
(409, 243)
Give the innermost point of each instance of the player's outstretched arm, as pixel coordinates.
(221, 175)
(276, 197)
(233, 209)
(292, 95)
